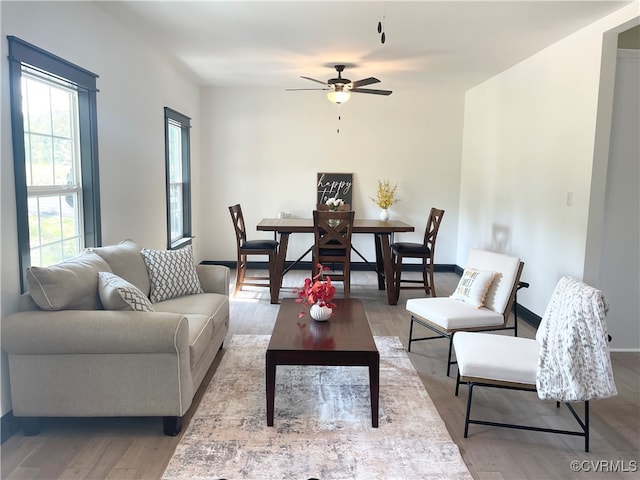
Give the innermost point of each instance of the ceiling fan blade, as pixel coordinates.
(314, 80)
(364, 81)
(371, 90)
(296, 89)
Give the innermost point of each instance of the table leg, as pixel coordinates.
(374, 387)
(385, 248)
(379, 262)
(271, 386)
(280, 262)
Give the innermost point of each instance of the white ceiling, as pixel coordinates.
(428, 43)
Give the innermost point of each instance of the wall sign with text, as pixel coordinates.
(330, 185)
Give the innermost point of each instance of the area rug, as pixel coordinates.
(322, 423)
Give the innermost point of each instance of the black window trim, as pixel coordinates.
(21, 52)
(185, 122)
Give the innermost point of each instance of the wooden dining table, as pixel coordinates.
(381, 231)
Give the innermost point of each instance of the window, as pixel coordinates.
(53, 118)
(177, 155)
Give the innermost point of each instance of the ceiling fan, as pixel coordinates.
(340, 89)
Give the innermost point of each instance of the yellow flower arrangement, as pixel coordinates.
(386, 194)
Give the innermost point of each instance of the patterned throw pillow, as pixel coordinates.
(473, 286)
(172, 273)
(118, 294)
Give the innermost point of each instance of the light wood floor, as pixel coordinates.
(135, 448)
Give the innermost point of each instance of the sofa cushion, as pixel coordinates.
(473, 286)
(126, 261)
(206, 314)
(497, 357)
(118, 294)
(172, 273)
(452, 314)
(69, 285)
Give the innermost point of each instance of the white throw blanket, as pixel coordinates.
(574, 362)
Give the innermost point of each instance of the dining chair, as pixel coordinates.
(322, 207)
(332, 244)
(568, 361)
(424, 251)
(246, 247)
(482, 300)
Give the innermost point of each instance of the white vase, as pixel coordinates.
(384, 214)
(319, 313)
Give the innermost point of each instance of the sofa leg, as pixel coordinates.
(30, 426)
(172, 425)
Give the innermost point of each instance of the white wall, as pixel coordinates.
(135, 84)
(620, 256)
(264, 147)
(529, 141)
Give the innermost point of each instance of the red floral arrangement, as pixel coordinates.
(317, 290)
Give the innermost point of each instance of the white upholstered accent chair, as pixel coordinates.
(447, 315)
(568, 361)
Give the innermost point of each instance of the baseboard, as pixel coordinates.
(528, 316)
(8, 426)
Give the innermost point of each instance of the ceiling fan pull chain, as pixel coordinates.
(383, 36)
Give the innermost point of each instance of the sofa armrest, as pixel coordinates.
(214, 278)
(94, 332)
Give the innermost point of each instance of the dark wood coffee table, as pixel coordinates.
(344, 340)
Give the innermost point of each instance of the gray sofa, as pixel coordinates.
(88, 341)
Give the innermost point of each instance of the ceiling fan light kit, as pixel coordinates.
(339, 96)
(340, 89)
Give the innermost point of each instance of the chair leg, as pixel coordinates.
(274, 283)
(346, 279)
(582, 422)
(432, 285)
(457, 383)
(586, 426)
(410, 335)
(468, 414)
(425, 277)
(272, 269)
(240, 272)
(397, 274)
(450, 350)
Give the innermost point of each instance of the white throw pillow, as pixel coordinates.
(118, 294)
(473, 286)
(172, 273)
